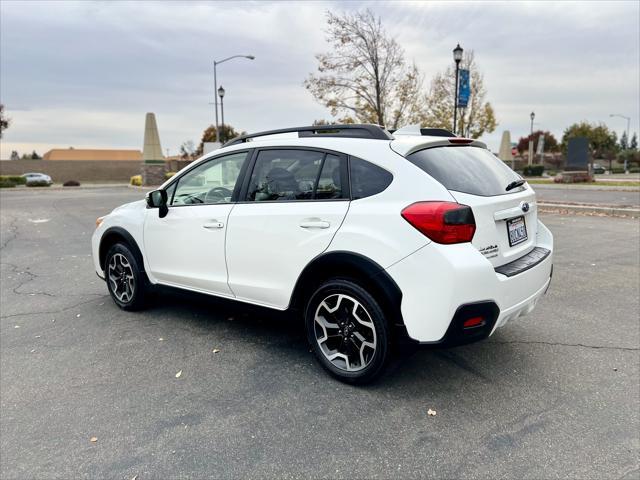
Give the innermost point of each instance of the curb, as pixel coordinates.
(590, 210)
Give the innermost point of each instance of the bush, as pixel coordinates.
(168, 175)
(136, 181)
(534, 170)
(71, 183)
(6, 184)
(617, 170)
(37, 183)
(634, 170)
(15, 179)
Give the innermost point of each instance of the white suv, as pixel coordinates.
(374, 237)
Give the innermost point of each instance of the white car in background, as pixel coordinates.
(374, 237)
(37, 178)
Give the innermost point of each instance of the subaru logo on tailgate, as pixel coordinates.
(524, 206)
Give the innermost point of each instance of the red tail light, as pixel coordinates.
(461, 141)
(442, 222)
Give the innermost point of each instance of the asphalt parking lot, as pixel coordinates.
(554, 394)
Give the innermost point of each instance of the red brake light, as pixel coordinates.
(463, 141)
(442, 222)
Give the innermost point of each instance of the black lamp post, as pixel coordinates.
(457, 57)
(221, 133)
(532, 116)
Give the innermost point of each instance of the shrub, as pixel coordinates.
(37, 183)
(534, 170)
(15, 179)
(617, 170)
(6, 184)
(71, 183)
(168, 175)
(136, 181)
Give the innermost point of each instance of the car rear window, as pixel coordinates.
(465, 169)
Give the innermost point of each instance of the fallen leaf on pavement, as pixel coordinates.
(431, 413)
(160, 339)
(93, 439)
(179, 374)
(17, 326)
(215, 350)
(78, 316)
(134, 477)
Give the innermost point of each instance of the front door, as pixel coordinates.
(295, 202)
(186, 248)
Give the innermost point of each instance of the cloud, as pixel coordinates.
(84, 72)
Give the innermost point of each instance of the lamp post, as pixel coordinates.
(215, 81)
(532, 116)
(221, 95)
(628, 119)
(457, 57)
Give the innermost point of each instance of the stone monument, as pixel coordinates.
(153, 162)
(505, 153)
(577, 166)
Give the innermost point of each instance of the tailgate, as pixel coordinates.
(506, 225)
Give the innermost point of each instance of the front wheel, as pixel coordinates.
(347, 331)
(126, 280)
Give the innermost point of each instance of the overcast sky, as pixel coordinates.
(84, 74)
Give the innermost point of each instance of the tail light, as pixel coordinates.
(442, 222)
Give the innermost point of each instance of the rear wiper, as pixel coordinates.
(515, 184)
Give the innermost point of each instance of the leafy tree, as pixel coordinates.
(475, 120)
(35, 156)
(550, 142)
(601, 139)
(210, 135)
(4, 120)
(624, 141)
(187, 150)
(14, 155)
(633, 145)
(364, 76)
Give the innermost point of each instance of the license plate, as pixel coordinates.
(517, 231)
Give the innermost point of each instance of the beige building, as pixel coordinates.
(93, 154)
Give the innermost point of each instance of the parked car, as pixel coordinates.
(37, 178)
(373, 238)
(597, 168)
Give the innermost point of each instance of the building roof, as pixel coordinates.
(92, 154)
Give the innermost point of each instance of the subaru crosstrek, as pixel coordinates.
(372, 236)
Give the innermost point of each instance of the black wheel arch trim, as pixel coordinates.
(118, 232)
(343, 264)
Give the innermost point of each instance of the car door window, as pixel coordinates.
(285, 175)
(330, 180)
(209, 183)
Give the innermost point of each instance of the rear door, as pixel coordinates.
(294, 202)
(506, 220)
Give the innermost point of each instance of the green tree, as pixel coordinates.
(601, 139)
(364, 76)
(210, 135)
(4, 120)
(633, 145)
(35, 156)
(550, 142)
(624, 141)
(475, 120)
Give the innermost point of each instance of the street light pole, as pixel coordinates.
(628, 119)
(532, 116)
(215, 82)
(221, 95)
(457, 57)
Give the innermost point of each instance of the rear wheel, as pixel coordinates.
(126, 280)
(347, 331)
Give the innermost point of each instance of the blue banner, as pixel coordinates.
(464, 89)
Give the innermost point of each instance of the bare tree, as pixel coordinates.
(364, 76)
(4, 121)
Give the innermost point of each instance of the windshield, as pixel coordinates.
(471, 170)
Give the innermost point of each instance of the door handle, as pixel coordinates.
(213, 225)
(315, 224)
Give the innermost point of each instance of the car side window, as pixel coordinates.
(291, 174)
(209, 183)
(367, 179)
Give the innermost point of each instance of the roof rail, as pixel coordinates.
(352, 130)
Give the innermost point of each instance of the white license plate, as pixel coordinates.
(517, 231)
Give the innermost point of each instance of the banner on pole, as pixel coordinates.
(464, 89)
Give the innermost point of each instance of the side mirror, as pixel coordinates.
(158, 199)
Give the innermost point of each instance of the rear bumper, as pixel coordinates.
(437, 281)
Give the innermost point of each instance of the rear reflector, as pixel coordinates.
(473, 322)
(442, 222)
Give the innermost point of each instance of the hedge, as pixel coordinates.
(38, 183)
(534, 170)
(15, 179)
(136, 180)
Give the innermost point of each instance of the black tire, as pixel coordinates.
(137, 287)
(334, 302)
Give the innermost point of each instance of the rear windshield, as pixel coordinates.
(471, 170)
